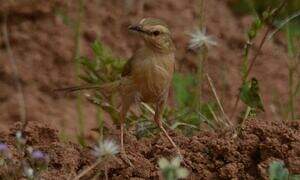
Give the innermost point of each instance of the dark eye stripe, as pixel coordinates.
(152, 33)
(156, 33)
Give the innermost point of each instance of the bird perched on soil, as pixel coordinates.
(148, 74)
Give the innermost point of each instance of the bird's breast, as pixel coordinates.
(153, 77)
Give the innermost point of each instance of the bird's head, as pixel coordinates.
(155, 33)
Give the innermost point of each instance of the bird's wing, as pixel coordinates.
(127, 68)
(133, 61)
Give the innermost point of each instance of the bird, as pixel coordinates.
(147, 75)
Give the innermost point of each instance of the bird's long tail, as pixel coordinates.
(105, 88)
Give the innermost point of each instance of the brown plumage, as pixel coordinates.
(148, 74)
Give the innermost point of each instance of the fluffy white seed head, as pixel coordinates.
(199, 38)
(105, 148)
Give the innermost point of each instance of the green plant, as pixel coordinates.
(258, 6)
(104, 67)
(191, 113)
(248, 92)
(77, 37)
(291, 26)
(293, 45)
(277, 171)
(293, 64)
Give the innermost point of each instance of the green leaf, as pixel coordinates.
(277, 171)
(249, 94)
(251, 34)
(98, 48)
(207, 108)
(87, 63)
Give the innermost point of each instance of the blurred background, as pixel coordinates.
(40, 41)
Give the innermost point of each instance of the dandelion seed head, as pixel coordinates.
(105, 148)
(199, 38)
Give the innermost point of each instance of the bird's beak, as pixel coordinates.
(136, 28)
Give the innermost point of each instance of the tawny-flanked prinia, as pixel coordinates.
(147, 76)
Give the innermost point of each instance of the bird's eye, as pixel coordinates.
(156, 33)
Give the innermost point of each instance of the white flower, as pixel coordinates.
(163, 163)
(29, 172)
(106, 148)
(200, 38)
(19, 137)
(172, 167)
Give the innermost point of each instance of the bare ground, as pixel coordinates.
(43, 47)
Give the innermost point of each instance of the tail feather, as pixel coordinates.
(107, 87)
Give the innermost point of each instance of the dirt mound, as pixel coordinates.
(208, 155)
(219, 156)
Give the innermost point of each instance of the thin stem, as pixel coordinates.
(291, 67)
(77, 71)
(200, 71)
(21, 98)
(218, 100)
(202, 55)
(105, 172)
(297, 86)
(291, 97)
(275, 13)
(84, 172)
(214, 114)
(248, 110)
(100, 122)
(257, 53)
(201, 13)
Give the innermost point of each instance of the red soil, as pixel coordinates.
(43, 47)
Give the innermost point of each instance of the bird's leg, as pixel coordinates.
(122, 119)
(123, 113)
(157, 119)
